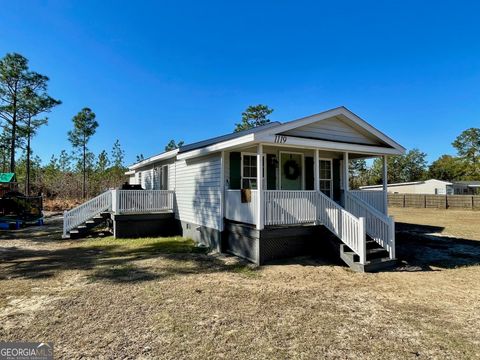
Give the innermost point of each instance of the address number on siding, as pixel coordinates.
(280, 139)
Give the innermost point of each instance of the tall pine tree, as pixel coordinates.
(84, 127)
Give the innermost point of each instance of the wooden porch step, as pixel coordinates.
(372, 265)
(376, 253)
(82, 230)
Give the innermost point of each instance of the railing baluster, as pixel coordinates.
(378, 225)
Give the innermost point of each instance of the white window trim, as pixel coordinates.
(242, 154)
(331, 174)
(162, 174)
(280, 167)
(158, 177)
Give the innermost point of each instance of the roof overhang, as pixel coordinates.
(229, 144)
(272, 134)
(164, 156)
(339, 111)
(289, 141)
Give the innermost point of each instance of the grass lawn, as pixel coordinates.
(458, 223)
(166, 298)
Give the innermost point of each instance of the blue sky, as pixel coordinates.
(153, 71)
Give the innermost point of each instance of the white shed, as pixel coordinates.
(431, 186)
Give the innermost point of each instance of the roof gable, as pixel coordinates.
(340, 125)
(336, 128)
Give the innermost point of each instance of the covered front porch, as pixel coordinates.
(290, 178)
(305, 186)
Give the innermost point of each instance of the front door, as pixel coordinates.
(291, 171)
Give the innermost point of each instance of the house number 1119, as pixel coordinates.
(280, 139)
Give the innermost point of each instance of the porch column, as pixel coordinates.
(385, 185)
(260, 195)
(316, 171)
(346, 172)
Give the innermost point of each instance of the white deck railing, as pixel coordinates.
(119, 202)
(379, 226)
(375, 199)
(86, 211)
(139, 201)
(242, 212)
(299, 207)
(285, 207)
(347, 227)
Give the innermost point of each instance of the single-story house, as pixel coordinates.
(466, 187)
(264, 193)
(432, 186)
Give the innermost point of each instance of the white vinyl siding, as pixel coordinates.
(159, 176)
(197, 191)
(334, 129)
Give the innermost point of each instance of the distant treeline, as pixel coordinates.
(413, 166)
(62, 176)
(25, 102)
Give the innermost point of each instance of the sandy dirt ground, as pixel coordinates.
(167, 299)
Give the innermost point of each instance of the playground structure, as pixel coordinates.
(16, 209)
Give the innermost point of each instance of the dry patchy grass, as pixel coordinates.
(457, 223)
(165, 298)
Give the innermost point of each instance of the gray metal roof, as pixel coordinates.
(211, 141)
(468, 183)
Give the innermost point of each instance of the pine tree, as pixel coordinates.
(254, 116)
(84, 127)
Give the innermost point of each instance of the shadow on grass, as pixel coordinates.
(423, 249)
(114, 260)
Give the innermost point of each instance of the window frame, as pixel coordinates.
(164, 170)
(158, 183)
(250, 178)
(330, 180)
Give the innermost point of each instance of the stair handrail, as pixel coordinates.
(349, 228)
(380, 227)
(86, 211)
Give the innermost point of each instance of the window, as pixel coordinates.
(161, 178)
(325, 168)
(164, 178)
(249, 171)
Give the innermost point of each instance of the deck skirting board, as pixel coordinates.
(269, 244)
(144, 225)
